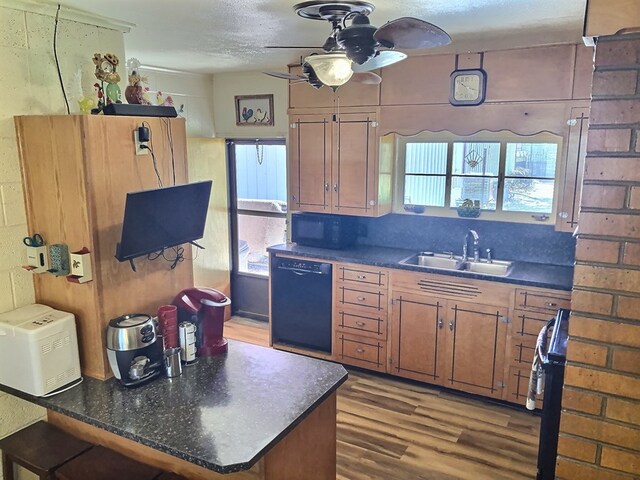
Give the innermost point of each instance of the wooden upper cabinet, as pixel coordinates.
(334, 165)
(607, 17)
(476, 348)
(571, 172)
(310, 162)
(354, 164)
(351, 94)
(417, 80)
(418, 337)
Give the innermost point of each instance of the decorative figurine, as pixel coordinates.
(135, 91)
(87, 104)
(106, 72)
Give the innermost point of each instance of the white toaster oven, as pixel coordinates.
(38, 349)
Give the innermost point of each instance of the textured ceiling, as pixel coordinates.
(226, 35)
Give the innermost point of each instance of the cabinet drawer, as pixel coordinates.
(373, 325)
(542, 301)
(358, 297)
(350, 274)
(521, 351)
(518, 385)
(361, 352)
(528, 324)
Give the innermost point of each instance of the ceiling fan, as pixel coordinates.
(359, 47)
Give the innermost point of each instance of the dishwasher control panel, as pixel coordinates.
(302, 265)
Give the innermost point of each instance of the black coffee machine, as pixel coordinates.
(134, 349)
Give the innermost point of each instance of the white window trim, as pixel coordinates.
(483, 136)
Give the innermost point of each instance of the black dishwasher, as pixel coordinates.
(301, 303)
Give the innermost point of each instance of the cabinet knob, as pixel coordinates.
(451, 325)
(563, 214)
(335, 187)
(550, 304)
(326, 187)
(360, 324)
(440, 323)
(362, 277)
(293, 197)
(360, 350)
(361, 299)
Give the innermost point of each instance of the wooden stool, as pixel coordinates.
(40, 448)
(100, 463)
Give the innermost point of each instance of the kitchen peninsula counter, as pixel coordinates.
(253, 406)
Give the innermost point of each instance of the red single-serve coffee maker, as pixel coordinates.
(204, 307)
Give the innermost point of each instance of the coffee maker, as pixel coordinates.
(134, 349)
(204, 307)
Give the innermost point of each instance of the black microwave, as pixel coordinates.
(324, 231)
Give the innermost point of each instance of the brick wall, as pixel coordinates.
(600, 426)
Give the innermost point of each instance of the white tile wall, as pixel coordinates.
(29, 85)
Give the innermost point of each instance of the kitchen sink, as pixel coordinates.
(497, 267)
(434, 260)
(445, 261)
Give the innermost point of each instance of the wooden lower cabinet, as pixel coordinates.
(361, 351)
(418, 337)
(476, 339)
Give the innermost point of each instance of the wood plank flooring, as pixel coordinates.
(391, 429)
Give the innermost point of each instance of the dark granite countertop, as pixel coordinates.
(223, 413)
(558, 277)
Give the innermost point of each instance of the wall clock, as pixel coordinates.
(468, 87)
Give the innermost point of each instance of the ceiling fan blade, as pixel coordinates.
(286, 76)
(293, 47)
(382, 59)
(366, 78)
(409, 32)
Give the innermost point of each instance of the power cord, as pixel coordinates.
(55, 55)
(155, 164)
(179, 258)
(167, 123)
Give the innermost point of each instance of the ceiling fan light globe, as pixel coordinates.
(332, 69)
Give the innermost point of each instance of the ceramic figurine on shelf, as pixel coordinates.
(100, 94)
(106, 72)
(135, 91)
(87, 103)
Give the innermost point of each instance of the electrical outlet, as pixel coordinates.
(139, 149)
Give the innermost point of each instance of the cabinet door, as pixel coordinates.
(570, 182)
(475, 348)
(417, 337)
(354, 165)
(310, 163)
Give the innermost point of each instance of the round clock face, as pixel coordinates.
(467, 87)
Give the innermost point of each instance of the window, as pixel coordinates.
(506, 173)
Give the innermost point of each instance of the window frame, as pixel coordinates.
(503, 138)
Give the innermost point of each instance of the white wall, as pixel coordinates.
(29, 85)
(192, 96)
(227, 85)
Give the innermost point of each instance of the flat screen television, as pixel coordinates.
(163, 218)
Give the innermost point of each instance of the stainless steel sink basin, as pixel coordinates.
(444, 261)
(497, 267)
(434, 260)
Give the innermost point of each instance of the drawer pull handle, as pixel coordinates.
(362, 277)
(451, 324)
(550, 304)
(440, 323)
(361, 299)
(360, 324)
(360, 350)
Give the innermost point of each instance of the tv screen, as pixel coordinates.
(163, 218)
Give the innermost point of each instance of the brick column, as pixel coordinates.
(600, 426)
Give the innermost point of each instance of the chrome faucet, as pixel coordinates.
(476, 248)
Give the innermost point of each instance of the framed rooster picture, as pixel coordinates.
(254, 110)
